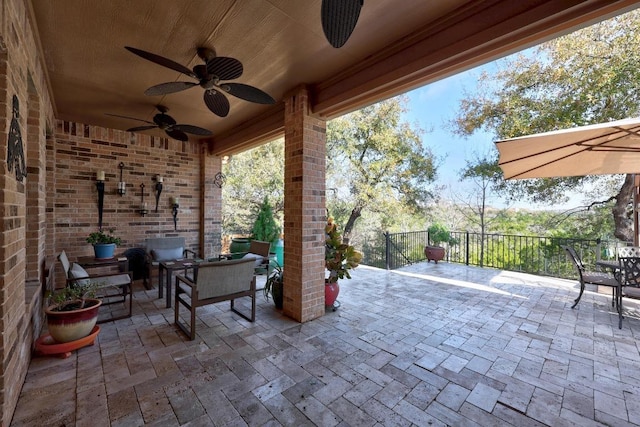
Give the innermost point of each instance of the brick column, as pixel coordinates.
(304, 209)
(211, 203)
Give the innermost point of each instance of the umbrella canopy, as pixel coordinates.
(606, 148)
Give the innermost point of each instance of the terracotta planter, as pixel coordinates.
(46, 345)
(67, 326)
(331, 291)
(434, 253)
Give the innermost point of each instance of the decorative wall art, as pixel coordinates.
(15, 149)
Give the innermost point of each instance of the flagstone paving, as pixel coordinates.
(427, 345)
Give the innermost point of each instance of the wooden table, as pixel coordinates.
(91, 262)
(169, 267)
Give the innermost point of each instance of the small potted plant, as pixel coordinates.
(339, 259)
(104, 243)
(273, 285)
(438, 234)
(72, 312)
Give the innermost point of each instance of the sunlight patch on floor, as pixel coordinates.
(456, 282)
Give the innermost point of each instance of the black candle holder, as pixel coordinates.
(121, 185)
(175, 205)
(143, 206)
(158, 189)
(100, 187)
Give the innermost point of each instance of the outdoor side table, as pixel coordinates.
(91, 262)
(165, 272)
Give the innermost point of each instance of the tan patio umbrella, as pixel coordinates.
(606, 148)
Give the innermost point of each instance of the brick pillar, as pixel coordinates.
(211, 202)
(304, 209)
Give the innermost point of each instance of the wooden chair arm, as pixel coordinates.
(188, 252)
(186, 280)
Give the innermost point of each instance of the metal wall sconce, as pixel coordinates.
(219, 179)
(175, 204)
(143, 205)
(100, 187)
(158, 179)
(121, 185)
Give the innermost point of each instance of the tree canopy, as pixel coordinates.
(586, 77)
(376, 161)
(253, 176)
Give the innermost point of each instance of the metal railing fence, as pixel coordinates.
(531, 254)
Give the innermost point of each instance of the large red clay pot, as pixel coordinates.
(434, 253)
(331, 291)
(66, 326)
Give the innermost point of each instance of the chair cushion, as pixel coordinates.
(258, 258)
(77, 272)
(167, 254)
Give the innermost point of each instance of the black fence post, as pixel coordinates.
(387, 250)
(466, 255)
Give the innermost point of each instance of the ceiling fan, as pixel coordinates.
(339, 18)
(211, 76)
(167, 123)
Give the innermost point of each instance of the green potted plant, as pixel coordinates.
(265, 227)
(104, 243)
(437, 235)
(339, 259)
(72, 312)
(273, 285)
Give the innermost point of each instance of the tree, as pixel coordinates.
(590, 76)
(265, 227)
(484, 173)
(252, 176)
(376, 161)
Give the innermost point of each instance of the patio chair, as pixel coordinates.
(158, 249)
(111, 288)
(599, 278)
(629, 259)
(215, 282)
(258, 252)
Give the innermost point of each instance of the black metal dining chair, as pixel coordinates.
(599, 278)
(629, 259)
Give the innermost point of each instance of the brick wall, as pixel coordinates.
(55, 206)
(23, 201)
(80, 151)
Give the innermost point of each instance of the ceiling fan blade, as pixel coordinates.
(225, 68)
(248, 93)
(167, 88)
(141, 128)
(339, 18)
(161, 60)
(193, 129)
(176, 134)
(216, 102)
(127, 117)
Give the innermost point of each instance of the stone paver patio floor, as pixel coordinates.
(425, 345)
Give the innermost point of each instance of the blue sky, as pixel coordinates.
(431, 107)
